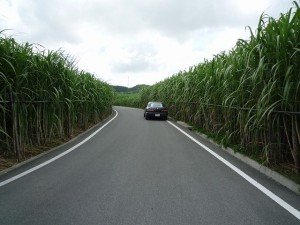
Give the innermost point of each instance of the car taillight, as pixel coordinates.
(150, 110)
(164, 110)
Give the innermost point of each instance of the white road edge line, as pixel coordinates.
(56, 157)
(267, 192)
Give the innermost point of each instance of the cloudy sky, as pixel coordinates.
(129, 42)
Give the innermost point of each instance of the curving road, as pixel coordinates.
(139, 172)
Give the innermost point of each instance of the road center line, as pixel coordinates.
(267, 192)
(56, 157)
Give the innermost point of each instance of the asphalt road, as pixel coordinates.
(140, 172)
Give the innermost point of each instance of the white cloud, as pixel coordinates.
(146, 41)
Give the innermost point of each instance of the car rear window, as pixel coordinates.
(156, 105)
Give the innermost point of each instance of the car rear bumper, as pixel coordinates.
(157, 115)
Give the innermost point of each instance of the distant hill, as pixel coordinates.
(122, 89)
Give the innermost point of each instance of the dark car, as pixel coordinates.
(156, 110)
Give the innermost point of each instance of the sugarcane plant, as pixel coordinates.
(249, 96)
(44, 96)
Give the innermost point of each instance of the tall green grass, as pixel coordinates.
(126, 99)
(43, 96)
(249, 96)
